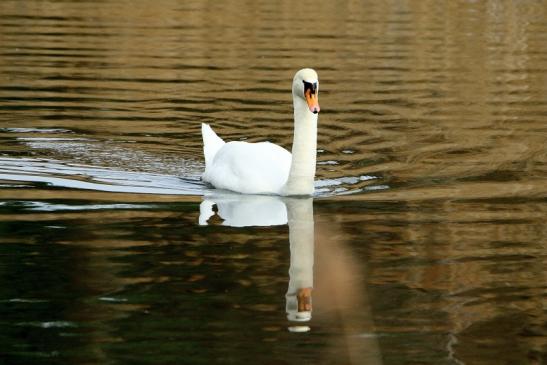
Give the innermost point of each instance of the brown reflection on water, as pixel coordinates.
(341, 297)
(392, 280)
(472, 271)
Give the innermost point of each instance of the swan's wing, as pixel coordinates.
(250, 168)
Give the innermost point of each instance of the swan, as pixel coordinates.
(264, 167)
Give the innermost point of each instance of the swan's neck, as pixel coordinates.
(304, 150)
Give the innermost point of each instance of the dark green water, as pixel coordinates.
(425, 242)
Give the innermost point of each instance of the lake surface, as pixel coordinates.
(425, 242)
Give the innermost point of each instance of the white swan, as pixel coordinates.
(266, 168)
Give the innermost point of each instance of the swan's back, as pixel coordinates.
(249, 168)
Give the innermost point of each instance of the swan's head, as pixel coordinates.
(306, 85)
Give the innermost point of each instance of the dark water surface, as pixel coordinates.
(426, 240)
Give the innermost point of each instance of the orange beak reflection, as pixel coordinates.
(312, 98)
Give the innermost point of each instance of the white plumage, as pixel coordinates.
(264, 167)
(248, 168)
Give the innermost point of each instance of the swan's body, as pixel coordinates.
(266, 168)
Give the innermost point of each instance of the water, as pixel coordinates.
(425, 242)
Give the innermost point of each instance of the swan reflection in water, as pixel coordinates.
(342, 303)
(261, 210)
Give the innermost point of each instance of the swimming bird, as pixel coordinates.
(264, 167)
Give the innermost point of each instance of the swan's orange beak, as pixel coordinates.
(312, 97)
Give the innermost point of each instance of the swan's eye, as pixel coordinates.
(312, 87)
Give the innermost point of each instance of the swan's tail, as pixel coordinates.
(211, 143)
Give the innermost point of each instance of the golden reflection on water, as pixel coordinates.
(413, 96)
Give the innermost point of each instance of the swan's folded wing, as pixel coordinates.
(250, 168)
